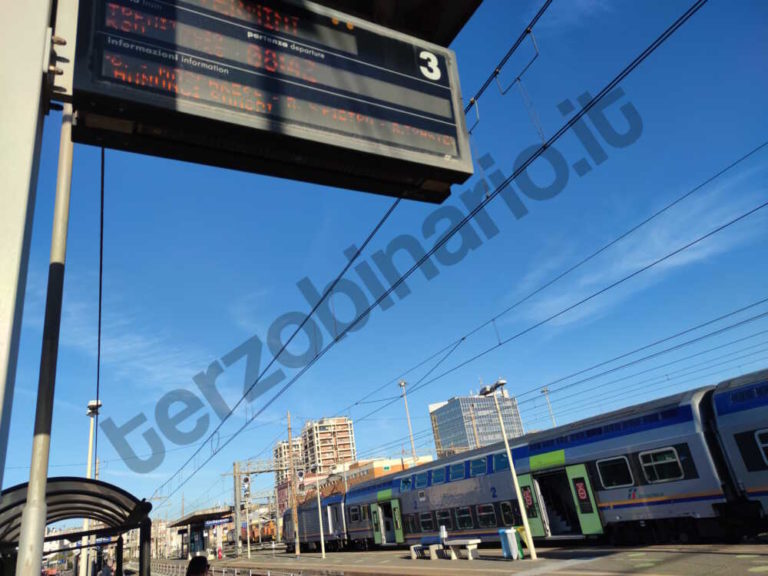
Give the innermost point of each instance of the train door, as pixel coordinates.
(332, 513)
(388, 522)
(376, 524)
(556, 498)
(584, 499)
(398, 521)
(531, 501)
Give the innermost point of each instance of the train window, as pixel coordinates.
(427, 522)
(510, 515)
(445, 518)
(661, 465)
(615, 472)
(477, 467)
(500, 462)
(457, 471)
(464, 518)
(411, 524)
(762, 441)
(354, 514)
(438, 476)
(405, 484)
(364, 513)
(420, 480)
(486, 515)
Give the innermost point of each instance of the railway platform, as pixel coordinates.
(666, 560)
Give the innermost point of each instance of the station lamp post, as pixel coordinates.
(491, 391)
(316, 470)
(85, 552)
(408, 418)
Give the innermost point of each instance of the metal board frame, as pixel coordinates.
(125, 118)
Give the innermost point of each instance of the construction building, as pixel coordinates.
(468, 422)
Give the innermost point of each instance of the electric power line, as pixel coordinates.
(328, 291)
(481, 205)
(565, 273)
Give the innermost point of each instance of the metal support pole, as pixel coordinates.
(344, 503)
(119, 556)
(93, 411)
(515, 483)
(145, 547)
(294, 504)
(408, 417)
(24, 54)
(248, 523)
(33, 518)
(320, 512)
(238, 528)
(545, 391)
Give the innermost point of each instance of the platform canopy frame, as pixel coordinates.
(70, 498)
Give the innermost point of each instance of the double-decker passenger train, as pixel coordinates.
(685, 466)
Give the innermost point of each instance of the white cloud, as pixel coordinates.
(247, 312)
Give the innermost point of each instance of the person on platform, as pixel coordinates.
(198, 566)
(106, 569)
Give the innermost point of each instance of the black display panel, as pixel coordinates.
(282, 88)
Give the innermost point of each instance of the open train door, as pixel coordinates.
(532, 506)
(584, 498)
(397, 520)
(376, 523)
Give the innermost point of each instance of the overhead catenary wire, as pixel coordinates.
(416, 385)
(568, 271)
(507, 56)
(599, 292)
(450, 233)
(676, 347)
(602, 249)
(599, 403)
(328, 291)
(558, 398)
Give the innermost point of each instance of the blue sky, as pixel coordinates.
(198, 259)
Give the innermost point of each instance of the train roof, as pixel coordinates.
(739, 381)
(680, 398)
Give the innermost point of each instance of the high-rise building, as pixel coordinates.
(468, 422)
(282, 460)
(327, 442)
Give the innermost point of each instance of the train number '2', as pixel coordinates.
(493, 491)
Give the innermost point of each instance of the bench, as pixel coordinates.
(428, 547)
(468, 544)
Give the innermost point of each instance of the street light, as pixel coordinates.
(491, 391)
(545, 391)
(85, 553)
(316, 470)
(408, 417)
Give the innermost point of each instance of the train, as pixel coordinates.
(268, 532)
(683, 468)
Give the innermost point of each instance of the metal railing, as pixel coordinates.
(163, 568)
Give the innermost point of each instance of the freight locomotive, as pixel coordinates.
(688, 466)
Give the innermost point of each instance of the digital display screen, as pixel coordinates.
(582, 495)
(297, 70)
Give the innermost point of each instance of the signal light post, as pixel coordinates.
(491, 391)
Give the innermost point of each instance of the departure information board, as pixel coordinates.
(290, 89)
